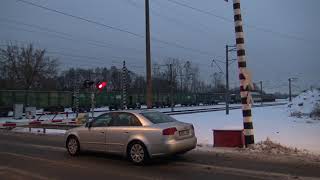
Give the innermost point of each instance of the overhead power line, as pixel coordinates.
(173, 19)
(81, 18)
(87, 60)
(280, 34)
(113, 27)
(200, 10)
(66, 36)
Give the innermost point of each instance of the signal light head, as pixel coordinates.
(101, 85)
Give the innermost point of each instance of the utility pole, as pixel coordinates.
(244, 75)
(227, 79)
(290, 88)
(227, 94)
(171, 86)
(148, 57)
(261, 91)
(290, 95)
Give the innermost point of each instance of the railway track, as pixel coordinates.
(177, 112)
(191, 111)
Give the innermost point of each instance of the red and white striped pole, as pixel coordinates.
(244, 75)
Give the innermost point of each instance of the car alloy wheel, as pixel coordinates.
(73, 146)
(137, 153)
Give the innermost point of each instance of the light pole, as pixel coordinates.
(148, 57)
(171, 87)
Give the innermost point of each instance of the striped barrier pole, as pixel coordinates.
(244, 76)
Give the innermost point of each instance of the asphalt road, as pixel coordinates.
(26, 156)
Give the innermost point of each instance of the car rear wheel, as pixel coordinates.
(137, 153)
(73, 146)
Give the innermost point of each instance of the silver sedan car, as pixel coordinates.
(138, 135)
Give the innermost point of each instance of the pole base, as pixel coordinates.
(249, 140)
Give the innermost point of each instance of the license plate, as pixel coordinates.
(184, 132)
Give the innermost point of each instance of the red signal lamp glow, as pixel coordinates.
(101, 85)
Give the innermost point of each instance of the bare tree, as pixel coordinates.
(26, 67)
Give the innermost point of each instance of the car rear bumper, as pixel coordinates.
(173, 147)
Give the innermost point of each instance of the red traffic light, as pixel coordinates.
(101, 85)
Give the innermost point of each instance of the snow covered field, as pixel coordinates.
(269, 122)
(71, 115)
(273, 122)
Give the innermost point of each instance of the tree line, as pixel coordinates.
(30, 68)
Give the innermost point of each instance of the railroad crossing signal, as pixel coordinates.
(101, 85)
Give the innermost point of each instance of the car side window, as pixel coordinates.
(125, 119)
(102, 121)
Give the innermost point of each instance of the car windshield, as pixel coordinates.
(157, 117)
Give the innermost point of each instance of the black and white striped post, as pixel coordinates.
(244, 76)
(124, 85)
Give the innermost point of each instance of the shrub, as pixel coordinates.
(296, 114)
(315, 114)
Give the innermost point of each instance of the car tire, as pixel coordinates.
(73, 146)
(137, 153)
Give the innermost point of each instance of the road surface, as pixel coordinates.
(27, 156)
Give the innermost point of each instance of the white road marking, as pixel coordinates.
(221, 169)
(61, 163)
(34, 145)
(24, 174)
(247, 172)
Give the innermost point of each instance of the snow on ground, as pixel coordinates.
(305, 102)
(102, 110)
(39, 131)
(269, 122)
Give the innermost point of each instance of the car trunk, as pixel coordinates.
(184, 130)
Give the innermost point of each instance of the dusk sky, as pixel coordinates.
(282, 36)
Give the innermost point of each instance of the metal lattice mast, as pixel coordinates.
(244, 76)
(124, 85)
(76, 90)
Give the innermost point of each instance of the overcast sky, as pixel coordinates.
(282, 37)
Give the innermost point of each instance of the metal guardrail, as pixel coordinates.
(52, 126)
(44, 127)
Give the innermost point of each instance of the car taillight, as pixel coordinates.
(169, 131)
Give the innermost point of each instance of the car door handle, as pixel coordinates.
(102, 132)
(126, 132)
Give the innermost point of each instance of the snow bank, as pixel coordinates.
(269, 122)
(304, 104)
(271, 147)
